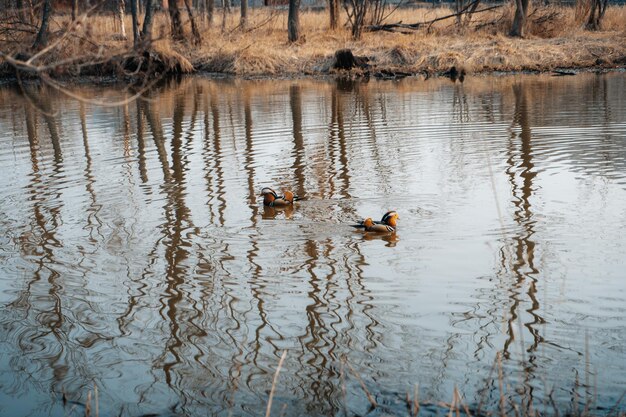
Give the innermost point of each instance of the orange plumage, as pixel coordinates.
(272, 199)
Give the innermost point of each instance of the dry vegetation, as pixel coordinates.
(555, 39)
(508, 403)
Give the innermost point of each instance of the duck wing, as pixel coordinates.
(361, 224)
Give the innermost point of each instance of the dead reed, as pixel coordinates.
(509, 404)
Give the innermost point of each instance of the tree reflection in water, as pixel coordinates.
(172, 287)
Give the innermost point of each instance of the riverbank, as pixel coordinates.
(138, 257)
(556, 39)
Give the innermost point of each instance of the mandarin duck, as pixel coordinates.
(388, 223)
(271, 199)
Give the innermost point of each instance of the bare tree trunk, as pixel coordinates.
(133, 14)
(519, 21)
(42, 34)
(244, 14)
(21, 10)
(360, 20)
(194, 28)
(293, 21)
(596, 13)
(31, 11)
(469, 13)
(74, 9)
(591, 21)
(120, 16)
(210, 10)
(146, 32)
(176, 24)
(333, 7)
(225, 12)
(356, 16)
(200, 7)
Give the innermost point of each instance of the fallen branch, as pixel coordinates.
(463, 11)
(546, 17)
(387, 74)
(390, 27)
(561, 73)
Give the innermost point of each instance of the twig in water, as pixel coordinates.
(575, 397)
(616, 405)
(467, 411)
(369, 396)
(235, 380)
(595, 387)
(501, 385)
(453, 404)
(412, 404)
(489, 378)
(269, 401)
(556, 410)
(342, 376)
(587, 364)
(416, 400)
(88, 405)
(515, 407)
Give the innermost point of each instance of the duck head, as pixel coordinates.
(269, 195)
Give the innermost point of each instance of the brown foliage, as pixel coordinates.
(555, 37)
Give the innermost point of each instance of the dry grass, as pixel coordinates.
(555, 39)
(510, 402)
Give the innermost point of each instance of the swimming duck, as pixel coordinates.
(270, 198)
(388, 223)
(370, 226)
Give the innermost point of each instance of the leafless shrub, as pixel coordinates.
(356, 10)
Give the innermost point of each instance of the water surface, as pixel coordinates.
(136, 255)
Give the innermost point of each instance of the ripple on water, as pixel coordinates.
(137, 253)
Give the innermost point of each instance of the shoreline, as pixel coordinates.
(555, 41)
(104, 80)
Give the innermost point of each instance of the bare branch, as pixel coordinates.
(415, 26)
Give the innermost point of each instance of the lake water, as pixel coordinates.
(136, 255)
